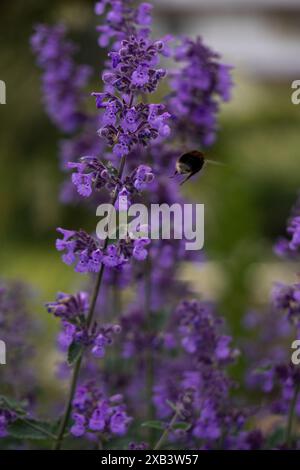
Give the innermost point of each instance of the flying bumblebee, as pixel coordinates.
(191, 163)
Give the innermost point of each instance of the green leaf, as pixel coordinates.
(153, 425)
(20, 429)
(181, 426)
(12, 404)
(74, 352)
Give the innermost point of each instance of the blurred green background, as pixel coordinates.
(247, 200)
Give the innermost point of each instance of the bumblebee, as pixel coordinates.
(191, 163)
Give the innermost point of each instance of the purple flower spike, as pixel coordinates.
(97, 414)
(63, 80)
(197, 89)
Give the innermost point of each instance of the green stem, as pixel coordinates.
(76, 371)
(289, 427)
(166, 432)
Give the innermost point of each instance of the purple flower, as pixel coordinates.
(6, 418)
(207, 426)
(197, 88)
(144, 14)
(287, 298)
(113, 257)
(199, 331)
(123, 201)
(122, 147)
(139, 251)
(110, 115)
(16, 323)
(91, 174)
(122, 20)
(81, 248)
(128, 122)
(223, 350)
(140, 76)
(158, 119)
(68, 306)
(81, 397)
(97, 421)
(290, 247)
(96, 413)
(142, 177)
(63, 80)
(67, 335)
(99, 346)
(78, 429)
(119, 423)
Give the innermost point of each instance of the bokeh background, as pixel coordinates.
(247, 200)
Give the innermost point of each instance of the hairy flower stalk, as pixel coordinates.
(89, 321)
(126, 123)
(166, 432)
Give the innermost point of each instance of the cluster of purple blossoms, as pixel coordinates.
(199, 332)
(6, 418)
(91, 174)
(122, 20)
(63, 84)
(279, 380)
(16, 323)
(63, 80)
(286, 298)
(197, 380)
(124, 123)
(197, 89)
(134, 338)
(72, 309)
(272, 371)
(83, 249)
(268, 336)
(93, 413)
(290, 247)
(68, 307)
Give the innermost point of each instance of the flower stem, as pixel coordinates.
(76, 371)
(166, 432)
(289, 427)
